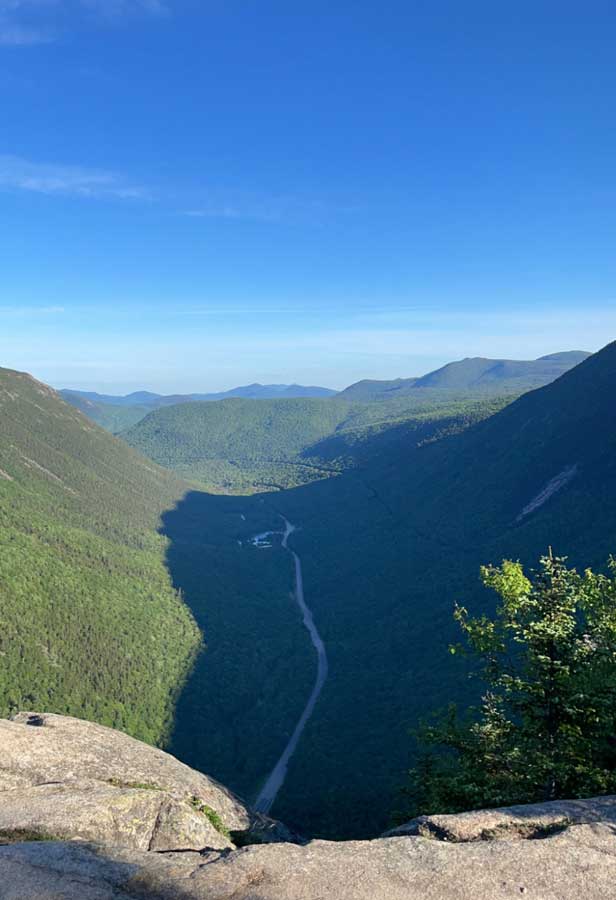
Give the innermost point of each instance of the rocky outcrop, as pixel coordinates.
(76, 825)
(577, 863)
(535, 820)
(66, 778)
(142, 819)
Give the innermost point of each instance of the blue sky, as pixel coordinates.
(195, 195)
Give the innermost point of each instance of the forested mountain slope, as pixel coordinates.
(90, 623)
(243, 445)
(237, 442)
(369, 389)
(475, 374)
(388, 549)
(117, 413)
(110, 416)
(510, 373)
(137, 398)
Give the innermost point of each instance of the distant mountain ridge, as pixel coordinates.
(478, 375)
(237, 444)
(254, 391)
(118, 413)
(474, 373)
(477, 372)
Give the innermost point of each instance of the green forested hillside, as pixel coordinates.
(90, 623)
(509, 374)
(246, 445)
(109, 416)
(395, 428)
(236, 443)
(369, 389)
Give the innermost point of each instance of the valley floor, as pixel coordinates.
(276, 779)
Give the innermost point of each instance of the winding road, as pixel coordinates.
(275, 780)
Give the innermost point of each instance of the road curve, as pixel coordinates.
(275, 780)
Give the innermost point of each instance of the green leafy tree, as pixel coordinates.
(546, 727)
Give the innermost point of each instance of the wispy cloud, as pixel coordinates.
(226, 213)
(25, 23)
(233, 213)
(19, 174)
(60, 179)
(258, 206)
(24, 311)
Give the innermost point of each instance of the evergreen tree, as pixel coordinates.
(546, 727)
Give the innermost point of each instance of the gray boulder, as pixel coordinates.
(69, 778)
(141, 819)
(535, 820)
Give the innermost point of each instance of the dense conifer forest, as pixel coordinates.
(243, 446)
(90, 623)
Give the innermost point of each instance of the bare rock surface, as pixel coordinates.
(141, 819)
(579, 862)
(66, 777)
(535, 820)
(87, 813)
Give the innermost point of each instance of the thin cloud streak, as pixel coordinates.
(18, 312)
(232, 213)
(260, 206)
(59, 179)
(225, 213)
(19, 174)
